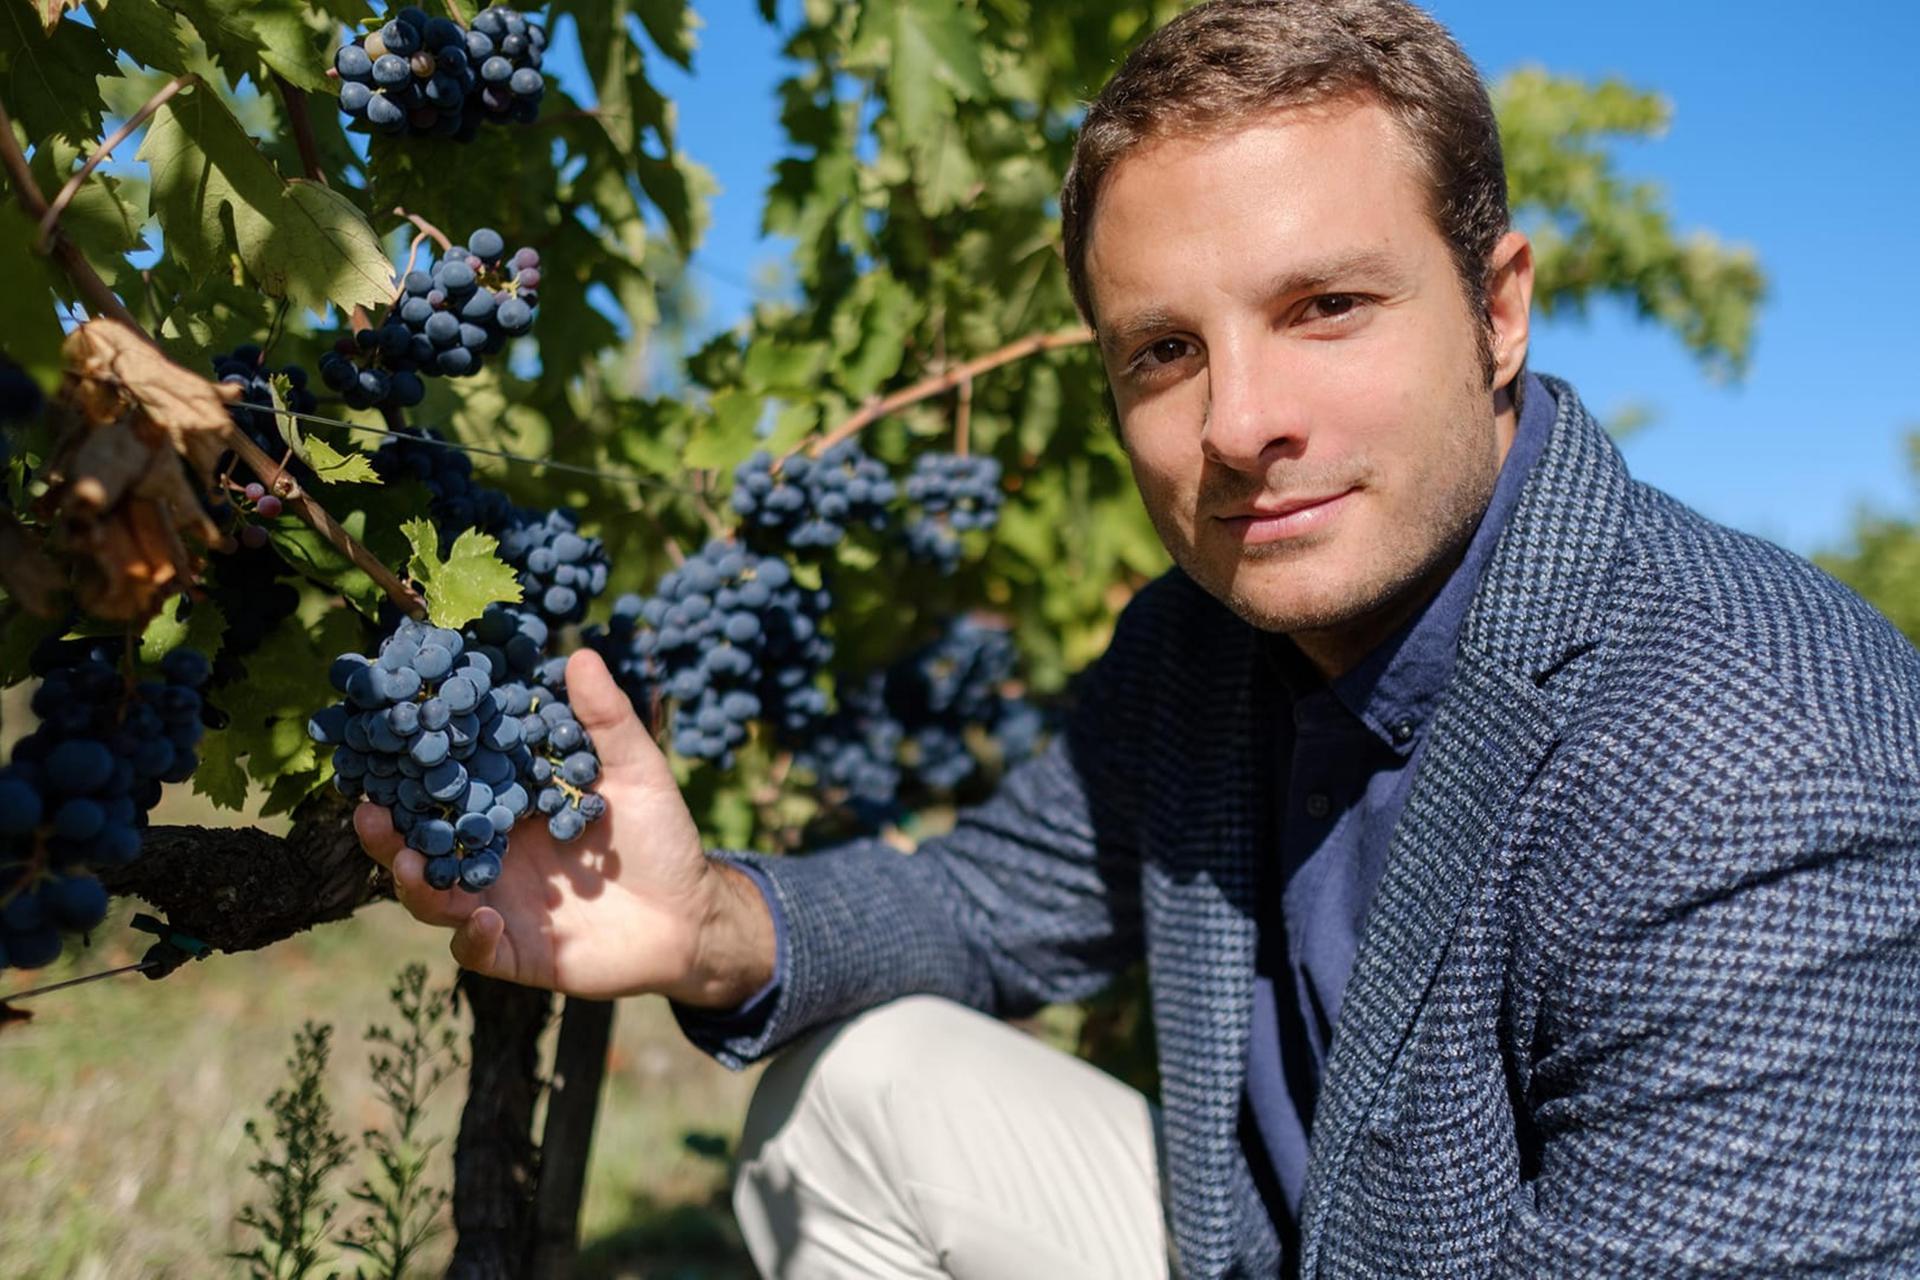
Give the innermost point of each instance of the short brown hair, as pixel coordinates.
(1220, 64)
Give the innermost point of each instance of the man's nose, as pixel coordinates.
(1253, 417)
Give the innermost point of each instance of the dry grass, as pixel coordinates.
(121, 1147)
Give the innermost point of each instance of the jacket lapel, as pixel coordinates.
(1200, 887)
(1541, 602)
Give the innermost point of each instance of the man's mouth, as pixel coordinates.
(1274, 519)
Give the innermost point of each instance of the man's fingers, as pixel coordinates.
(476, 943)
(374, 825)
(424, 902)
(605, 713)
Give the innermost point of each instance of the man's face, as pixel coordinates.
(1297, 370)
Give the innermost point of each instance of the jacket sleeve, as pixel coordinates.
(1731, 1083)
(1032, 898)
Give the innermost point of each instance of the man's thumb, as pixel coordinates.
(608, 717)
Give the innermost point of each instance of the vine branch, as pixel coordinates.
(958, 375)
(51, 218)
(963, 417)
(302, 125)
(427, 228)
(75, 263)
(278, 479)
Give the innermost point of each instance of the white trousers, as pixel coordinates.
(923, 1139)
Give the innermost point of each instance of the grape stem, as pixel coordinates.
(959, 375)
(426, 228)
(454, 10)
(63, 250)
(51, 218)
(302, 126)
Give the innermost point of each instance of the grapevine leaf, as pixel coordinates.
(145, 31)
(220, 778)
(340, 468)
(460, 587)
(200, 630)
(51, 10)
(20, 636)
(48, 79)
(286, 681)
(301, 241)
(249, 34)
(27, 318)
(371, 514)
(289, 789)
(728, 435)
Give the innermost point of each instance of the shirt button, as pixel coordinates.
(1403, 732)
(1318, 805)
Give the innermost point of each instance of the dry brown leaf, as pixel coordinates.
(27, 573)
(124, 503)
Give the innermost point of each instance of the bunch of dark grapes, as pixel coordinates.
(513, 639)
(564, 763)
(907, 727)
(856, 751)
(730, 638)
(448, 319)
(456, 502)
(256, 592)
(429, 76)
(811, 503)
(560, 569)
(614, 642)
(245, 367)
(439, 736)
(80, 786)
(949, 495)
(510, 48)
(951, 684)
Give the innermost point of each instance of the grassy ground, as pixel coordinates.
(121, 1144)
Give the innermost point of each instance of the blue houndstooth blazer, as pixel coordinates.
(1639, 991)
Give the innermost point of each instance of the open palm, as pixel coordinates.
(612, 913)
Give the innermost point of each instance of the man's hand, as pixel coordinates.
(632, 906)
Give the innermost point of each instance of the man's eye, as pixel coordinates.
(1165, 351)
(1335, 305)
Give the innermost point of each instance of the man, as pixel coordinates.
(1592, 827)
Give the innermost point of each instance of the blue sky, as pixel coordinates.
(1791, 133)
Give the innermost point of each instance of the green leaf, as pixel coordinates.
(335, 467)
(49, 81)
(144, 30)
(459, 588)
(303, 242)
(220, 777)
(200, 630)
(727, 436)
(249, 35)
(30, 333)
(20, 636)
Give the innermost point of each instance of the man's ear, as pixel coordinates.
(1509, 304)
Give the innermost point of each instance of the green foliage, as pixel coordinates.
(402, 1208)
(1883, 562)
(925, 143)
(293, 1170)
(1598, 234)
(460, 587)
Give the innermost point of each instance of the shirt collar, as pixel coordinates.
(1394, 688)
